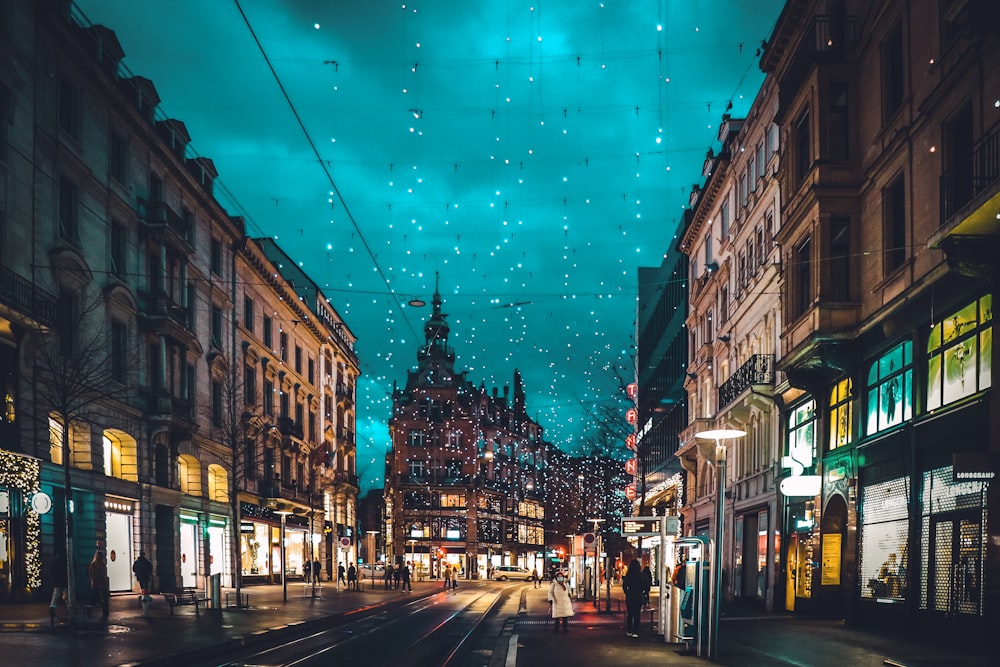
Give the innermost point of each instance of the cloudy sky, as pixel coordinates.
(532, 155)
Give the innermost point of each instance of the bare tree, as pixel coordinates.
(82, 363)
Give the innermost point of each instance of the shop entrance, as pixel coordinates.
(799, 570)
(955, 564)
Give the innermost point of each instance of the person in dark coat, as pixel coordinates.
(633, 587)
(60, 582)
(340, 574)
(405, 574)
(317, 571)
(352, 577)
(387, 576)
(143, 571)
(647, 585)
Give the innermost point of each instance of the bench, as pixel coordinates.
(185, 596)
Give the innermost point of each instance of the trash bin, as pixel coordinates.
(215, 591)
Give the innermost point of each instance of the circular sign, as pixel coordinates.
(345, 541)
(588, 538)
(41, 503)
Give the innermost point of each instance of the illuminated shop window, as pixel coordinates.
(802, 433)
(841, 414)
(959, 354)
(890, 388)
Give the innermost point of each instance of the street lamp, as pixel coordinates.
(371, 554)
(597, 567)
(284, 579)
(719, 435)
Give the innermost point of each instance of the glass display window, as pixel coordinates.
(890, 389)
(960, 353)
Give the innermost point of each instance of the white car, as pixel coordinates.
(505, 572)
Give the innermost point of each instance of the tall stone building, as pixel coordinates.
(466, 475)
(136, 365)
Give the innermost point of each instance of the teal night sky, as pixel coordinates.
(532, 154)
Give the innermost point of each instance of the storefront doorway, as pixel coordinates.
(189, 554)
(955, 564)
(119, 544)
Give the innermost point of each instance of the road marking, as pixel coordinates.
(511, 652)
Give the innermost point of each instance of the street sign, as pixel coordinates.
(345, 541)
(589, 543)
(648, 526)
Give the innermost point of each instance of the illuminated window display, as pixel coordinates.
(841, 414)
(254, 550)
(959, 354)
(884, 541)
(890, 389)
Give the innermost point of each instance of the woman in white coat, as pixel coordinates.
(560, 603)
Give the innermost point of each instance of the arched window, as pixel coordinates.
(218, 483)
(189, 475)
(79, 444)
(120, 459)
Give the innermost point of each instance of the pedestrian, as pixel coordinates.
(143, 570)
(387, 576)
(397, 574)
(536, 581)
(352, 577)
(560, 603)
(100, 585)
(633, 587)
(406, 576)
(60, 582)
(447, 576)
(647, 585)
(340, 574)
(317, 571)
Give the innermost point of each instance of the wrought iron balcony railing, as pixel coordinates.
(758, 369)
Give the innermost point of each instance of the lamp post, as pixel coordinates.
(718, 435)
(371, 554)
(284, 578)
(413, 556)
(597, 567)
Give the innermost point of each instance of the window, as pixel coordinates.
(187, 221)
(894, 224)
(119, 351)
(417, 469)
(772, 141)
(803, 150)
(453, 468)
(416, 439)
(802, 287)
(752, 169)
(892, 73)
(890, 389)
(724, 305)
(249, 386)
(268, 341)
(283, 346)
(268, 397)
(216, 327)
(68, 317)
(839, 123)
(155, 187)
(216, 403)
(724, 217)
(802, 434)
(840, 259)
(283, 404)
(216, 257)
(119, 250)
(744, 191)
(69, 210)
(118, 157)
(761, 160)
(69, 108)
(454, 439)
(708, 249)
(452, 500)
(311, 371)
(248, 313)
(841, 414)
(298, 359)
(300, 414)
(960, 354)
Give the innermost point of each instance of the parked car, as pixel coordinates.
(505, 572)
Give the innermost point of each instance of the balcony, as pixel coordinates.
(288, 427)
(825, 38)
(159, 313)
(161, 221)
(758, 370)
(27, 299)
(970, 192)
(343, 391)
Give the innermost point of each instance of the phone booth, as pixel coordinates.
(695, 593)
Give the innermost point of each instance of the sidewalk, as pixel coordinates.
(160, 638)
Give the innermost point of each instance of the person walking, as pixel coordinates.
(536, 581)
(633, 587)
(352, 577)
(387, 576)
(317, 571)
(398, 573)
(100, 585)
(560, 603)
(647, 585)
(143, 571)
(60, 582)
(406, 576)
(447, 576)
(340, 574)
